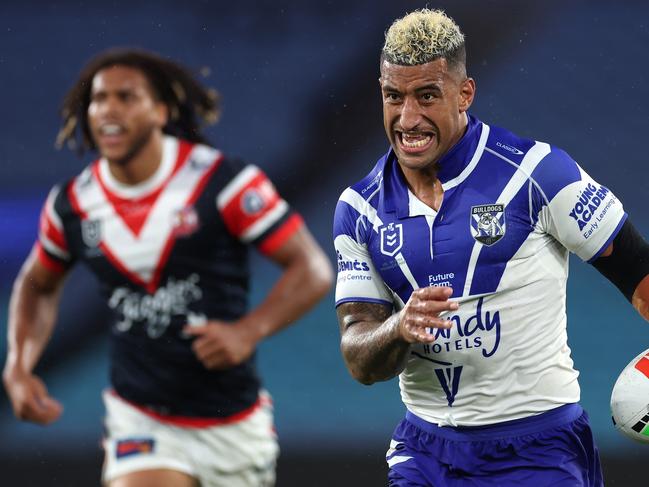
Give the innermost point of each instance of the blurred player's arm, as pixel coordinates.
(306, 277)
(625, 262)
(32, 314)
(375, 343)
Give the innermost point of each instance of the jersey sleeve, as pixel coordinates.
(253, 211)
(51, 247)
(358, 280)
(583, 215)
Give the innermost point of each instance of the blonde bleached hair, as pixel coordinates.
(423, 36)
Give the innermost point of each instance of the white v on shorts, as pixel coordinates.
(241, 453)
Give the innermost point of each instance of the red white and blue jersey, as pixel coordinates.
(512, 211)
(168, 252)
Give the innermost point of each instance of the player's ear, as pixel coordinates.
(466, 94)
(161, 113)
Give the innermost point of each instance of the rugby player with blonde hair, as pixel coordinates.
(453, 261)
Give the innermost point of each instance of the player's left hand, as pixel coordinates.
(220, 345)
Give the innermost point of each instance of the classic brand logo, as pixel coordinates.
(509, 148)
(391, 239)
(488, 223)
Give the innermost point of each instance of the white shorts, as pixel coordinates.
(237, 454)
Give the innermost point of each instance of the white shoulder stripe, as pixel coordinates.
(356, 201)
(523, 174)
(51, 213)
(267, 221)
(474, 160)
(246, 175)
(52, 248)
(397, 459)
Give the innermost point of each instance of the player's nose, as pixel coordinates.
(410, 116)
(109, 107)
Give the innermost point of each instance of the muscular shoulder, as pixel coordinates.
(549, 167)
(356, 208)
(58, 202)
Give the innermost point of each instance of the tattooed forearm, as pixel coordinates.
(371, 344)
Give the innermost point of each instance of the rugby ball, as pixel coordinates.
(630, 399)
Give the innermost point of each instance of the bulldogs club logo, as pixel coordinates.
(391, 239)
(488, 223)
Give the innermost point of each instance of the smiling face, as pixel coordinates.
(123, 113)
(424, 110)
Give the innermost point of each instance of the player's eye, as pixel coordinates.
(98, 97)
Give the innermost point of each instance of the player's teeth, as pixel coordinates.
(415, 143)
(111, 129)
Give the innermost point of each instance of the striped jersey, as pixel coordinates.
(512, 211)
(168, 252)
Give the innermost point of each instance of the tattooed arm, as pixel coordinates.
(375, 344)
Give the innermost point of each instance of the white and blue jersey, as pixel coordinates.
(512, 211)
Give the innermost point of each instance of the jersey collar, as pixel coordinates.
(153, 183)
(395, 189)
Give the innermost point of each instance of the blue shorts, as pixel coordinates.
(553, 449)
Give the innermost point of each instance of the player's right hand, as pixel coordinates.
(422, 311)
(29, 398)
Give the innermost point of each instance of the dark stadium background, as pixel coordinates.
(301, 99)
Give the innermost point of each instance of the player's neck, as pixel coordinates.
(141, 164)
(425, 186)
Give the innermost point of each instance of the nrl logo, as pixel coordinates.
(91, 232)
(488, 223)
(391, 239)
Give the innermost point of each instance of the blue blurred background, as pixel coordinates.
(301, 99)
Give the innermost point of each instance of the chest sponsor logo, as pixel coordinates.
(480, 331)
(154, 311)
(185, 222)
(91, 232)
(488, 223)
(441, 279)
(391, 239)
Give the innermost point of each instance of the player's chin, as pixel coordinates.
(114, 154)
(415, 162)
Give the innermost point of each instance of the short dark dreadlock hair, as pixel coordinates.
(191, 105)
